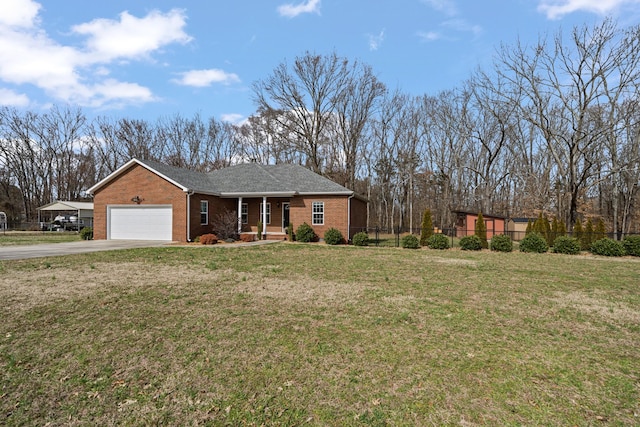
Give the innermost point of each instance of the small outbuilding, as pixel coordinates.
(466, 223)
(147, 200)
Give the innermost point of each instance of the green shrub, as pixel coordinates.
(607, 247)
(305, 233)
(632, 245)
(501, 243)
(360, 239)
(438, 241)
(290, 234)
(471, 243)
(566, 245)
(208, 239)
(481, 231)
(534, 242)
(333, 236)
(410, 242)
(427, 228)
(259, 233)
(86, 233)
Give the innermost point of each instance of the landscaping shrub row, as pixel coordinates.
(534, 242)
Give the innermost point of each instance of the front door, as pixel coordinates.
(285, 217)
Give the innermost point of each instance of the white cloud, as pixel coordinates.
(555, 9)
(203, 78)
(18, 13)
(462, 26)
(236, 119)
(449, 26)
(430, 36)
(9, 98)
(447, 7)
(375, 40)
(132, 37)
(291, 11)
(68, 74)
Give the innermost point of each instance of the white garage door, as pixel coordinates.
(139, 222)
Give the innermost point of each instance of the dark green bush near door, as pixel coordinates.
(305, 233)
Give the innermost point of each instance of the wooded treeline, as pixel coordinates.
(551, 127)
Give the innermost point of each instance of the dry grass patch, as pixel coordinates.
(318, 335)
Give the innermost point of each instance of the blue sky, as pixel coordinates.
(153, 58)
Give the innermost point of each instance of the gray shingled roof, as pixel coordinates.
(251, 178)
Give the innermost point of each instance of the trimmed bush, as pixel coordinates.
(290, 234)
(566, 245)
(360, 239)
(410, 242)
(333, 236)
(86, 233)
(471, 243)
(438, 241)
(534, 242)
(501, 243)
(259, 233)
(427, 228)
(607, 247)
(305, 233)
(208, 239)
(632, 245)
(481, 231)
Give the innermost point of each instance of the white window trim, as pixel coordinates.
(314, 213)
(205, 212)
(268, 212)
(244, 213)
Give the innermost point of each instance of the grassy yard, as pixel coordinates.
(294, 334)
(10, 238)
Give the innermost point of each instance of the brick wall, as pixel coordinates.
(153, 190)
(336, 213)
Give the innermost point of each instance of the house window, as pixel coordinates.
(245, 213)
(204, 212)
(318, 213)
(268, 212)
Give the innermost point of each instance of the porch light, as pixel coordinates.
(136, 199)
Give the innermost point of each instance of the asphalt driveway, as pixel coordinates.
(69, 248)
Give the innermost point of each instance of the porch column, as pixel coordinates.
(239, 215)
(264, 217)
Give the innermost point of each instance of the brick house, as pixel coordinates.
(147, 200)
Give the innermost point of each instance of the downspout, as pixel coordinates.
(189, 194)
(349, 216)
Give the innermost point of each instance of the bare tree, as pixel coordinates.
(557, 85)
(303, 100)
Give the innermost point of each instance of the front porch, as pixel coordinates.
(274, 219)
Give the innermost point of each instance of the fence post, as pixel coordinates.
(377, 236)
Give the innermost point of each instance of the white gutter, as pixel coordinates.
(349, 216)
(189, 194)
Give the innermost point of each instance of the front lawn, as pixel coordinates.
(11, 238)
(296, 334)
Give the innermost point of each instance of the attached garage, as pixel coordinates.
(139, 222)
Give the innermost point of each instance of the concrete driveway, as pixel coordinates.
(69, 248)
